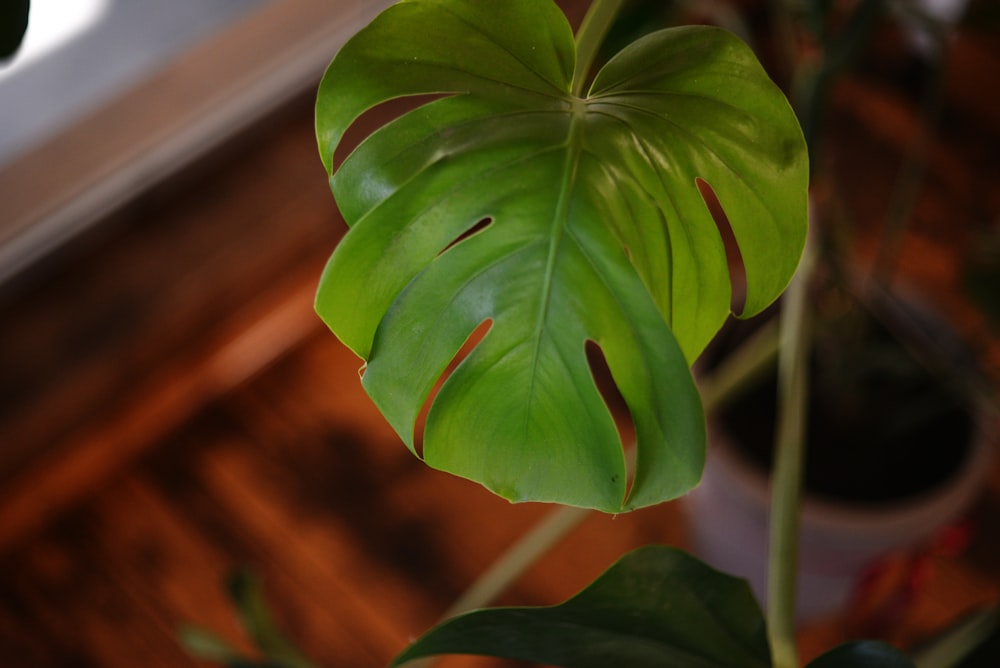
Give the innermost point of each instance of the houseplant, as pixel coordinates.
(533, 258)
(645, 121)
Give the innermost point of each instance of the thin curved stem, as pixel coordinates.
(786, 480)
(743, 368)
(518, 558)
(959, 641)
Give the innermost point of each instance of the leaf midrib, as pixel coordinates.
(560, 220)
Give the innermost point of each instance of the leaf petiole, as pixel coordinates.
(596, 24)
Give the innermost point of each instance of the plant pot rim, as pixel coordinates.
(920, 514)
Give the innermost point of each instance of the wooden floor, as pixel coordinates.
(171, 410)
(291, 474)
(174, 410)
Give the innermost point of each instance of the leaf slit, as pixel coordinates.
(471, 342)
(613, 399)
(734, 258)
(475, 229)
(375, 118)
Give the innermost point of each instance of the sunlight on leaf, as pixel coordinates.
(598, 232)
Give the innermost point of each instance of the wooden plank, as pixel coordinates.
(160, 279)
(74, 608)
(154, 407)
(370, 610)
(23, 641)
(145, 546)
(323, 630)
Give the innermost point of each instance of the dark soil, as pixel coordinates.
(881, 428)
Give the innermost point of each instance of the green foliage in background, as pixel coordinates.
(274, 649)
(656, 607)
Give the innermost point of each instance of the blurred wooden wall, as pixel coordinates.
(171, 409)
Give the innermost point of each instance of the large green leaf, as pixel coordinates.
(507, 202)
(656, 607)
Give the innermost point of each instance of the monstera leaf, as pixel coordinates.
(657, 606)
(510, 214)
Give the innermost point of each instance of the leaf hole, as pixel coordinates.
(475, 229)
(466, 348)
(613, 399)
(375, 118)
(734, 259)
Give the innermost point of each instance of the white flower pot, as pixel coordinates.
(728, 519)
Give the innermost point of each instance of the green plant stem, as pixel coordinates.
(741, 369)
(513, 562)
(518, 558)
(590, 36)
(959, 641)
(786, 481)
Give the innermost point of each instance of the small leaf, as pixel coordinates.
(247, 596)
(656, 607)
(551, 220)
(862, 654)
(205, 645)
